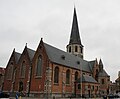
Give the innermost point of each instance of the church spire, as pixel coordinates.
(100, 65)
(75, 46)
(75, 37)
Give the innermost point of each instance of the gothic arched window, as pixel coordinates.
(39, 66)
(76, 75)
(68, 76)
(79, 86)
(56, 75)
(23, 69)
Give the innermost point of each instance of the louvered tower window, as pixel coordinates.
(76, 49)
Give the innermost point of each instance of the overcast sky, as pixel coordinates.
(26, 21)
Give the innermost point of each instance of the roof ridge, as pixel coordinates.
(55, 54)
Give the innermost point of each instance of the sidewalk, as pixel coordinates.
(51, 98)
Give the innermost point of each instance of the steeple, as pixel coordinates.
(100, 65)
(75, 46)
(75, 37)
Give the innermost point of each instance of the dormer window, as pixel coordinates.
(63, 57)
(78, 62)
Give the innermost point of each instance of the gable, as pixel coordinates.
(28, 53)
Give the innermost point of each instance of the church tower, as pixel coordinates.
(75, 46)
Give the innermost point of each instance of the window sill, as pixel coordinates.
(67, 84)
(56, 84)
(22, 77)
(37, 77)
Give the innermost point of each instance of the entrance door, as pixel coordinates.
(20, 86)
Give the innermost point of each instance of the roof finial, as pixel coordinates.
(14, 49)
(74, 6)
(26, 45)
(41, 39)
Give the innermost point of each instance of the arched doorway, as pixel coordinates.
(20, 86)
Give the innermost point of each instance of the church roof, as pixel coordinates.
(87, 78)
(92, 63)
(100, 63)
(103, 73)
(60, 57)
(75, 37)
(17, 56)
(30, 53)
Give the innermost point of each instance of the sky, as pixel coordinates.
(27, 21)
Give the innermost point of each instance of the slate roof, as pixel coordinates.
(87, 78)
(92, 63)
(100, 63)
(17, 56)
(30, 53)
(75, 37)
(103, 74)
(60, 57)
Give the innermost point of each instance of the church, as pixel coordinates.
(51, 72)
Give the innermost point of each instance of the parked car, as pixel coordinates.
(4, 95)
(111, 96)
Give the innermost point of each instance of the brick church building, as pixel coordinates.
(49, 71)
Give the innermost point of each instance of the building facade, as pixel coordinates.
(2, 73)
(49, 71)
(117, 83)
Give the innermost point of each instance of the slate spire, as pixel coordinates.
(75, 37)
(75, 46)
(100, 65)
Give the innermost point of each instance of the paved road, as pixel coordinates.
(50, 98)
